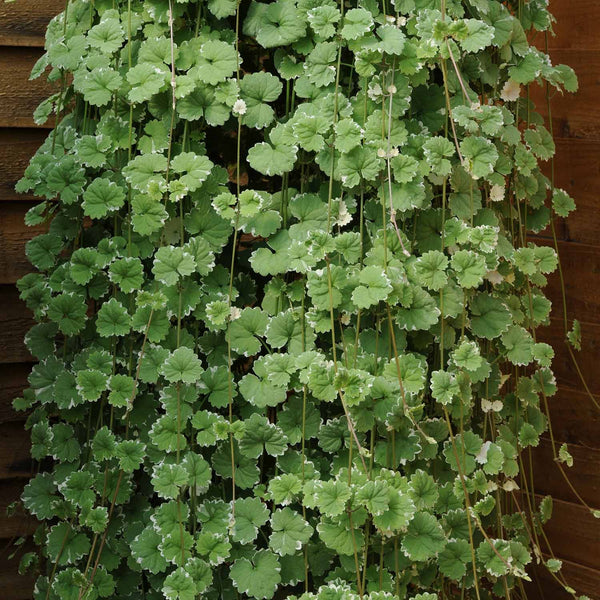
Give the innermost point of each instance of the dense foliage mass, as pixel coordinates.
(286, 301)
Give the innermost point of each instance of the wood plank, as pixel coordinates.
(580, 267)
(15, 151)
(544, 587)
(575, 418)
(20, 523)
(14, 381)
(578, 173)
(14, 234)
(15, 320)
(13, 585)
(22, 26)
(15, 458)
(584, 475)
(587, 358)
(19, 96)
(574, 115)
(576, 24)
(574, 534)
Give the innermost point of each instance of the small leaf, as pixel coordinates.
(244, 332)
(357, 22)
(250, 514)
(171, 263)
(65, 546)
(130, 454)
(168, 479)
(424, 537)
(68, 312)
(480, 154)
(258, 576)
(179, 585)
(444, 387)
(257, 90)
(562, 203)
(261, 435)
(127, 273)
(272, 160)
(564, 456)
(145, 550)
(470, 268)
(332, 497)
(113, 319)
(374, 287)
(146, 80)
(289, 532)
(217, 61)
(91, 383)
(574, 335)
(101, 197)
(183, 365)
(121, 390)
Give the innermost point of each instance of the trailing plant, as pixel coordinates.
(287, 302)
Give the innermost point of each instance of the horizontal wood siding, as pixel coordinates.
(573, 532)
(19, 96)
(22, 28)
(24, 23)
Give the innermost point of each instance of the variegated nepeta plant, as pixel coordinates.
(286, 301)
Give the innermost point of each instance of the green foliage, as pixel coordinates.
(286, 302)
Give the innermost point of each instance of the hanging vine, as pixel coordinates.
(287, 302)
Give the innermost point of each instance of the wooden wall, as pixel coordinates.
(22, 26)
(574, 534)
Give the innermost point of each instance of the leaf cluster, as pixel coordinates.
(286, 303)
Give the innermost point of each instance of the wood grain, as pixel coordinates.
(16, 148)
(581, 274)
(15, 458)
(22, 24)
(15, 321)
(544, 587)
(19, 523)
(13, 585)
(581, 271)
(587, 358)
(574, 534)
(576, 25)
(575, 418)
(19, 96)
(577, 171)
(574, 115)
(13, 378)
(14, 234)
(584, 474)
